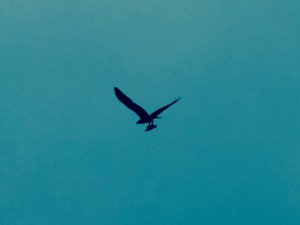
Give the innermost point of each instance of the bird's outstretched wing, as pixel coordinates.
(130, 104)
(159, 111)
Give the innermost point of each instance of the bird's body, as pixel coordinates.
(142, 113)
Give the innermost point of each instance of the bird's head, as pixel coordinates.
(138, 122)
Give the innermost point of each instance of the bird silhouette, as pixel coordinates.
(142, 113)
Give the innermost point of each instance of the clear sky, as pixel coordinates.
(227, 153)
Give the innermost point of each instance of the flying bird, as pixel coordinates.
(142, 113)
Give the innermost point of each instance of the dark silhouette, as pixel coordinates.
(144, 116)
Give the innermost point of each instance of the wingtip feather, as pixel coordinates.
(177, 99)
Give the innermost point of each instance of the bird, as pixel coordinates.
(142, 113)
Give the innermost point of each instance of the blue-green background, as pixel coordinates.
(227, 153)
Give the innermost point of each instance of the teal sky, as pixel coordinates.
(227, 153)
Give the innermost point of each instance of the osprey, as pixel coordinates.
(144, 116)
